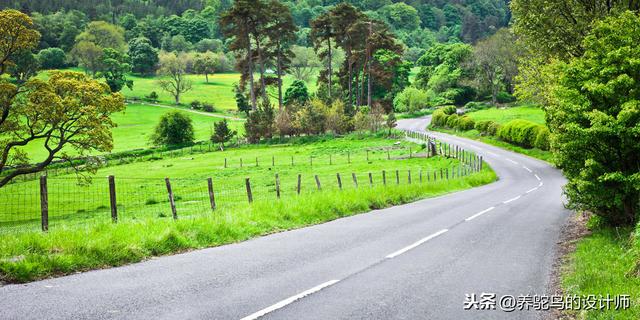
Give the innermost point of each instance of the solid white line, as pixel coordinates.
(525, 167)
(538, 177)
(287, 301)
(540, 185)
(511, 200)
(511, 161)
(479, 214)
(532, 190)
(405, 249)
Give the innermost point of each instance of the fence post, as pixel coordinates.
(441, 174)
(311, 160)
(410, 153)
(349, 157)
(367, 155)
(291, 160)
(249, 194)
(355, 179)
(112, 199)
(299, 182)
(240, 162)
(447, 171)
(330, 160)
(397, 177)
(435, 175)
(256, 161)
(44, 203)
(273, 161)
(388, 155)
(172, 202)
(384, 177)
(339, 181)
(409, 176)
(212, 197)
(318, 183)
(420, 175)
(225, 162)
(277, 186)
(370, 179)
(481, 162)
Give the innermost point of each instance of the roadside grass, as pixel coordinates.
(142, 192)
(35, 255)
(417, 114)
(503, 115)
(606, 262)
(495, 141)
(135, 127)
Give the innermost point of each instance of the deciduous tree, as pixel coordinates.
(173, 75)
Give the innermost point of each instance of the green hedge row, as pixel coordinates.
(520, 132)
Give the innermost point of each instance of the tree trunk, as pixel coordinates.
(206, 76)
(330, 67)
(369, 84)
(252, 91)
(261, 63)
(279, 81)
(349, 84)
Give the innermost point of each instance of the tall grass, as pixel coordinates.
(29, 256)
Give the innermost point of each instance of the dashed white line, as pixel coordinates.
(514, 162)
(532, 190)
(540, 184)
(538, 177)
(405, 249)
(491, 153)
(287, 301)
(479, 214)
(511, 200)
(525, 167)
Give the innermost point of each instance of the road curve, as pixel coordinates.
(415, 261)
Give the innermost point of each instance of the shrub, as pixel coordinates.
(520, 132)
(481, 126)
(410, 100)
(439, 118)
(208, 107)
(452, 121)
(466, 123)
(152, 97)
(51, 58)
(504, 97)
(195, 104)
(492, 128)
(449, 109)
(475, 106)
(542, 139)
(175, 128)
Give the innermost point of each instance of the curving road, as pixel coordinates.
(415, 261)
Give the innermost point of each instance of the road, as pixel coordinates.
(415, 261)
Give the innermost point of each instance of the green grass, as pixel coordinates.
(35, 255)
(601, 265)
(526, 112)
(495, 141)
(135, 126)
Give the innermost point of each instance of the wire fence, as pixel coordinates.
(52, 201)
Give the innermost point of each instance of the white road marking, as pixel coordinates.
(511, 161)
(525, 167)
(405, 249)
(491, 153)
(532, 190)
(538, 177)
(511, 200)
(290, 300)
(540, 185)
(479, 214)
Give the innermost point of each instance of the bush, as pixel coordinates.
(542, 139)
(521, 132)
(505, 97)
(439, 118)
(449, 109)
(175, 128)
(492, 128)
(452, 121)
(207, 107)
(410, 100)
(51, 58)
(196, 105)
(475, 106)
(481, 126)
(152, 97)
(466, 123)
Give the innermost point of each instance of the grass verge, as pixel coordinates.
(605, 262)
(475, 135)
(35, 255)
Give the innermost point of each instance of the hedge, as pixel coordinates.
(524, 133)
(466, 123)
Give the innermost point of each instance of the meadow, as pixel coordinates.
(503, 115)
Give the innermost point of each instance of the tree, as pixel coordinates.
(206, 63)
(88, 55)
(174, 129)
(222, 133)
(18, 34)
(296, 94)
(115, 66)
(401, 16)
(282, 34)
(144, 57)
(594, 119)
(442, 69)
(322, 35)
(241, 100)
(25, 65)
(174, 76)
(304, 62)
(391, 121)
(411, 100)
(69, 110)
(103, 35)
(51, 58)
(494, 63)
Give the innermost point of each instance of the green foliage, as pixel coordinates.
(521, 132)
(52, 58)
(411, 100)
(175, 128)
(542, 139)
(487, 127)
(391, 121)
(297, 94)
(144, 57)
(242, 103)
(465, 123)
(442, 70)
(114, 68)
(24, 66)
(260, 123)
(222, 133)
(504, 97)
(449, 109)
(400, 16)
(595, 122)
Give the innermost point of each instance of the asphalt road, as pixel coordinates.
(416, 261)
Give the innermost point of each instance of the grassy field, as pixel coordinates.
(526, 112)
(135, 127)
(82, 238)
(606, 262)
